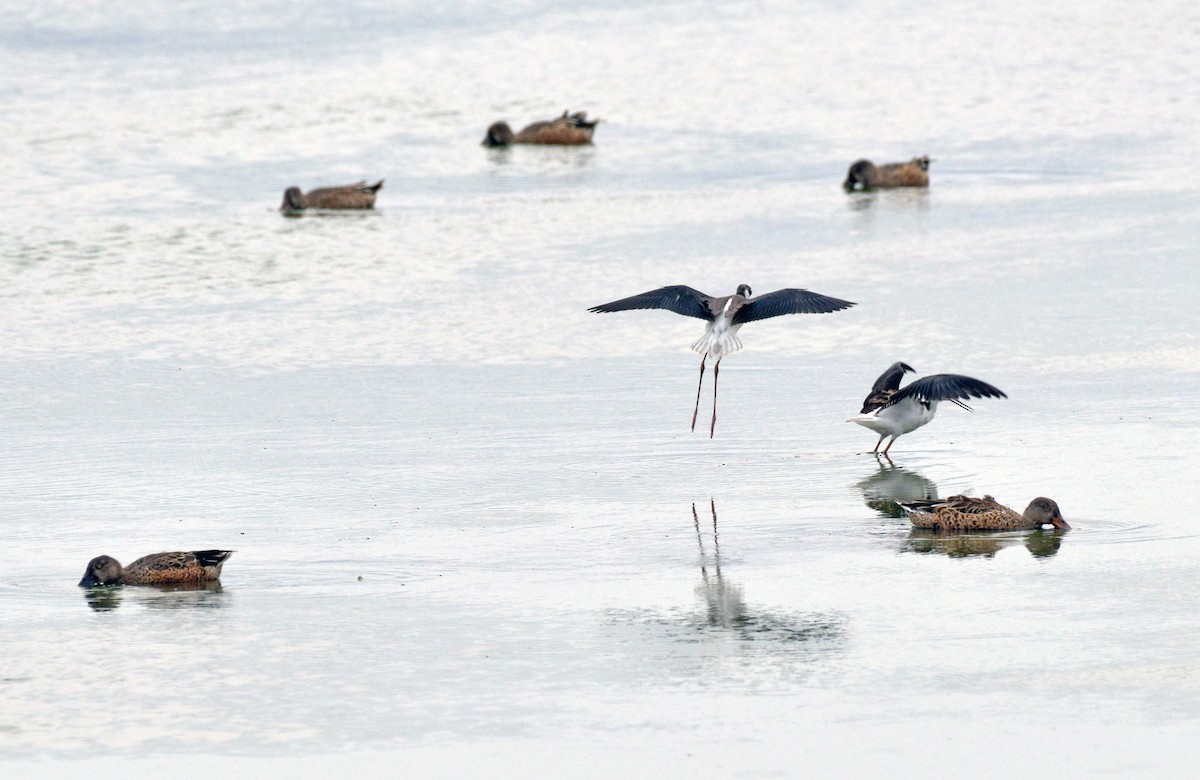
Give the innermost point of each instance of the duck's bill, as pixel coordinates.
(1058, 522)
(89, 581)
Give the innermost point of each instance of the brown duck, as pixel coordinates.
(865, 175)
(963, 513)
(566, 130)
(358, 195)
(158, 569)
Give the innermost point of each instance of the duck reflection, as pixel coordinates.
(1040, 543)
(333, 214)
(203, 595)
(545, 158)
(725, 604)
(883, 489)
(897, 200)
(104, 598)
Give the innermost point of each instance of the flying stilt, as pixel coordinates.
(725, 316)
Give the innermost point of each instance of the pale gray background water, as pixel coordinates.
(417, 397)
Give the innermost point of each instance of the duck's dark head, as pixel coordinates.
(101, 571)
(499, 134)
(744, 290)
(293, 200)
(861, 176)
(1045, 512)
(922, 162)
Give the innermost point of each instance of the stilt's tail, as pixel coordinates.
(717, 345)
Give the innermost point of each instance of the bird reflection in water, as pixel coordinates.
(897, 201)
(723, 600)
(1040, 543)
(883, 489)
(725, 605)
(202, 595)
(543, 158)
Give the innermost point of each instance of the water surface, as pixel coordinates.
(474, 534)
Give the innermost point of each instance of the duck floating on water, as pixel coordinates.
(165, 568)
(964, 513)
(358, 195)
(566, 130)
(866, 175)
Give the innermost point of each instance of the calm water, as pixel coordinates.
(474, 534)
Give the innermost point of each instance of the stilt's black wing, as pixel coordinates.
(885, 387)
(890, 379)
(677, 298)
(947, 387)
(787, 301)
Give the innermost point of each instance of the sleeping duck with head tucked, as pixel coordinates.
(566, 130)
(866, 175)
(358, 195)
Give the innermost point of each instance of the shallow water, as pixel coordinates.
(474, 534)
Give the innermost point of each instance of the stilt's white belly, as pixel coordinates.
(898, 419)
(719, 339)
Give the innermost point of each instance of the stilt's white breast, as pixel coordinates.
(898, 419)
(909, 414)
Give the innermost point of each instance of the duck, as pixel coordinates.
(566, 130)
(964, 513)
(358, 195)
(165, 568)
(865, 175)
(891, 411)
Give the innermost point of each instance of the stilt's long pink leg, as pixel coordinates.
(890, 443)
(716, 370)
(697, 410)
(882, 436)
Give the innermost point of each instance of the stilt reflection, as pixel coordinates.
(725, 605)
(894, 483)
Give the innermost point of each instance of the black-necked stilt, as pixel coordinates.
(866, 175)
(890, 411)
(725, 316)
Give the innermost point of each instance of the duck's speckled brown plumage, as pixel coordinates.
(358, 195)
(865, 175)
(566, 130)
(157, 569)
(964, 513)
